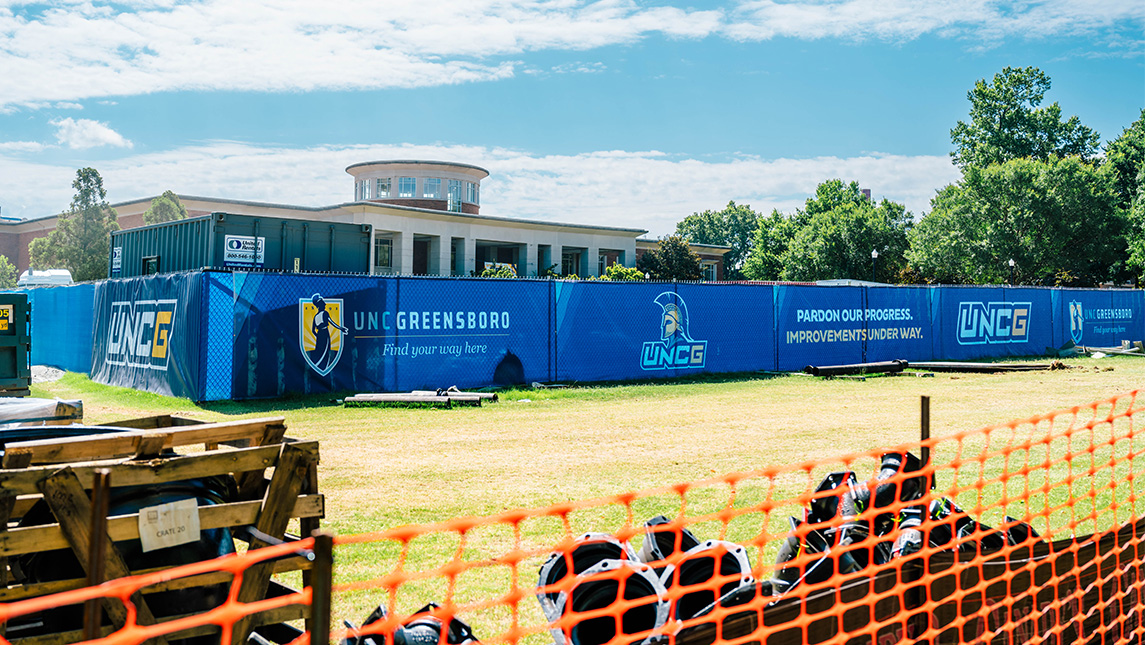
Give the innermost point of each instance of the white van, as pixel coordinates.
(50, 277)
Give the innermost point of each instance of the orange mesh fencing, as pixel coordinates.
(1025, 532)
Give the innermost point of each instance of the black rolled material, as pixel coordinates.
(883, 367)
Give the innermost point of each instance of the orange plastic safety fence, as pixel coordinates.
(1030, 534)
(222, 618)
(1026, 532)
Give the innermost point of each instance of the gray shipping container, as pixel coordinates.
(240, 242)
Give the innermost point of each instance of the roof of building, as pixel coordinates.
(416, 162)
(373, 204)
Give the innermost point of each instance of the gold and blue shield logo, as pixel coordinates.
(1076, 321)
(321, 332)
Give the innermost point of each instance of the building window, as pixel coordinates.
(709, 271)
(383, 255)
(383, 188)
(601, 264)
(431, 188)
(454, 196)
(471, 192)
(407, 187)
(570, 263)
(365, 192)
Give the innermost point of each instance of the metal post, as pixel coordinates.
(97, 550)
(924, 432)
(321, 584)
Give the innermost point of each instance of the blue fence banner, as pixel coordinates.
(359, 333)
(215, 335)
(820, 326)
(146, 334)
(977, 322)
(1097, 318)
(898, 324)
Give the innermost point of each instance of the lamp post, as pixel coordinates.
(1011, 263)
(874, 262)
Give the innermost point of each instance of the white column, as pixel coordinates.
(373, 236)
(593, 260)
(559, 258)
(444, 246)
(405, 265)
(531, 264)
(470, 261)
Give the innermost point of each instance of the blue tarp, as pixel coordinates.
(62, 319)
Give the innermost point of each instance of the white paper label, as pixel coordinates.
(169, 525)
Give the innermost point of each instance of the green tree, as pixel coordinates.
(772, 235)
(672, 259)
(165, 208)
(620, 272)
(838, 229)
(1057, 219)
(1135, 230)
(81, 240)
(1126, 156)
(734, 226)
(8, 274)
(1006, 123)
(832, 236)
(498, 272)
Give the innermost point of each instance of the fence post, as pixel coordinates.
(924, 432)
(321, 583)
(97, 547)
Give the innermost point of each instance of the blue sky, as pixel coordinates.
(612, 112)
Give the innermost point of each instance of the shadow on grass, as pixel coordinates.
(569, 389)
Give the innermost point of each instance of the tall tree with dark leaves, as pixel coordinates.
(1126, 156)
(838, 229)
(672, 259)
(81, 240)
(1058, 220)
(733, 226)
(1007, 123)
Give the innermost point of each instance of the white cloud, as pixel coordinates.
(99, 50)
(81, 134)
(21, 146)
(650, 189)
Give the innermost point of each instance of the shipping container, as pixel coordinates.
(240, 242)
(15, 344)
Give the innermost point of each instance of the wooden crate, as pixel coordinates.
(152, 451)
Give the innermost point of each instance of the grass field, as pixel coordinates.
(382, 468)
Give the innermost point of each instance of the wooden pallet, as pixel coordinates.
(157, 450)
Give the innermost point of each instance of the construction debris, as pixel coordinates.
(884, 367)
(982, 368)
(436, 398)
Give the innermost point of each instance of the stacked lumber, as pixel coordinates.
(152, 452)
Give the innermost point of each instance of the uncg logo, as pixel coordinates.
(139, 334)
(1076, 321)
(675, 349)
(981, 323)
(320, 332)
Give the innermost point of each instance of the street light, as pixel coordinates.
(1011, 271)
(874, 261)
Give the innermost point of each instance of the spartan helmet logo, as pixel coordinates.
(674, 323)
(1076, 321)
